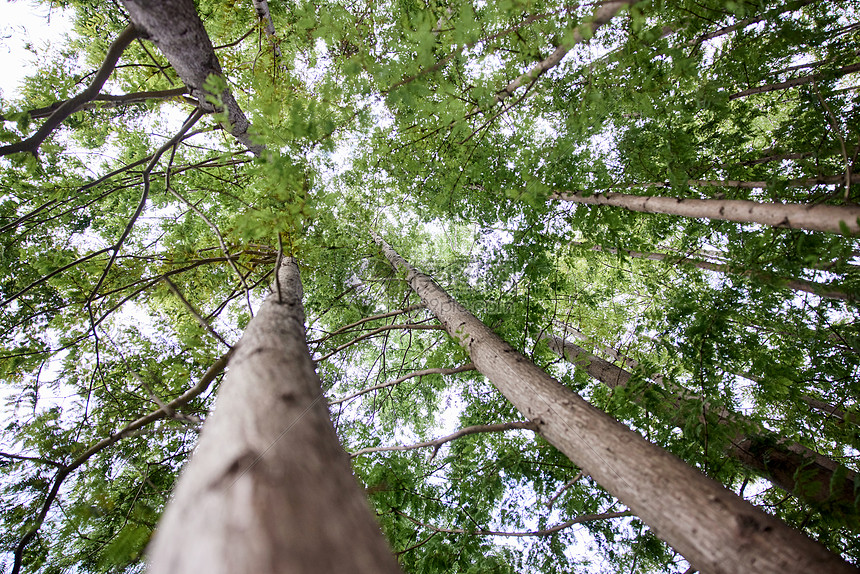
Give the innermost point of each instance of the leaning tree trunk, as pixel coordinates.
(829, 291)
(815, 217)
(269, 489)
(789, 465)
(176, 29)
(712, 527)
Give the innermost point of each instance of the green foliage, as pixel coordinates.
(387, 117)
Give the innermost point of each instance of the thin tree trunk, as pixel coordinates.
(818, 217)
(262, 9)
(176, 29)
(820, 289)
(740, 184)
(710, 526)
(269, 489)
(831, 410)
(796, 82)
(779, 461)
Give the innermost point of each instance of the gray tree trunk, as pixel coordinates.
(713, 528)
(820, 289)
(777, 460)
(269, 488)
(815, 217)
(176, 29)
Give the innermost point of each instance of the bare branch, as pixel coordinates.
(467, 367)
(408, 309)
(194, 312)
(453, 436)
(378, 330)
(545, 532)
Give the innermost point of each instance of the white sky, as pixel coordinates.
(23, 23)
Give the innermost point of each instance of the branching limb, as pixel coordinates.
(144, 195)
(174, 26)
(408, 309)
(32, 143)
(381, 330)
(437, 443)
(561, 490)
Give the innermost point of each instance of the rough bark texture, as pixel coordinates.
(787, 464)
(713, 528)
(818, 217)
(176, 29)
(269, 489)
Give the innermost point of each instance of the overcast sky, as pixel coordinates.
(24, 22)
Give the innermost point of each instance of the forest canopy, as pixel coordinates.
(653, 204)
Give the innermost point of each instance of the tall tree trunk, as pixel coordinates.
(791, 466)
(839, 72)
(269, 489)
(176, 29)
(818, 217)
(710, 526)
(820, 289)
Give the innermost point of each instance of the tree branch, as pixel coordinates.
(808, 79)
(380, 330)
(601, 16)
(467, 367)
(132, 98)
(545, 532)
(31, 144)
(453, 436)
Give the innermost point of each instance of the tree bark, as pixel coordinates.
(269, 489)
(851, 68)
(818, 217)
(710, 526)
(780, 461)
(176, 29)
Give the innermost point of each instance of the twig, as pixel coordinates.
(545, 532)
(378, 330)
(561, 490)
(437, 443)
(366, 319)
(194, 312)
(467, 367)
